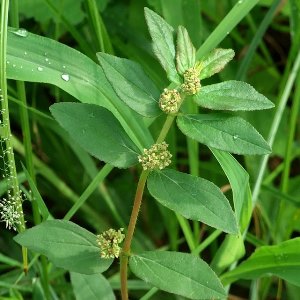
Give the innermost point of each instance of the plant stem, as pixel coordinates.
(288, 157)
(88, 191)
(25, 125)
(165, 129)
(102, 38)
(275, 125)
(6, 131)
(128, 239)
(207, 242)
(135, 211)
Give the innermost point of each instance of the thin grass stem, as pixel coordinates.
(6, 131)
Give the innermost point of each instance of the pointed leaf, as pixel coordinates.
(92, 287)
(239, 182)
(97, 131)
(193, 197)
(163, 42)
(282, 260)
(224, 132)
(232, 95)
(215, 61)
(67, 245)
(131, 84)
(178, 273)
(186, 52)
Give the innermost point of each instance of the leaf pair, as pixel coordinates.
(71, 247)
(98, 132)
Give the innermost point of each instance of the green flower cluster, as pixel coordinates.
(191, 84)
(169, 101)
(156, 157)
(109, 241)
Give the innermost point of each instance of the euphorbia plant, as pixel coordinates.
(100, 133)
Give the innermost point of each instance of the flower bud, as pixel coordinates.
(191, 85)
(109, 241)
(156, 157)
(169, 101)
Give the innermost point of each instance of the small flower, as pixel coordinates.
(156, 157)
(10, 213)
(109, 241)
(169, 101)
(191, 85)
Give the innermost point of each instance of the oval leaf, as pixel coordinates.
(215, 61)
(193, 197)
(131, 84)
(186, 52)
(163, 42)
(282, 260)
(232, 95)
(67, 245)
(179, 273)
(39, 59)
(97, 131)
(92, 287)
(224, 132)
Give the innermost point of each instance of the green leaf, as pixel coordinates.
(97, 131)
(67, 245)
(282, 260)
(215, 61)
(179, 273)
(239, 183)
(131, 84)
(193, 197)
(92, 287)
(224, 132)
(232, 95)
(163, 43)
(186, 52)
(38, 59)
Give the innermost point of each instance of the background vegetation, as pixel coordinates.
(266, 41)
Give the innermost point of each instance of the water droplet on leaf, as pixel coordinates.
(65, 77)
(40, 69)
(235, 137)
(21, 32)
